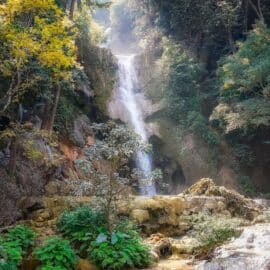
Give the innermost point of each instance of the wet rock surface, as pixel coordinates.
(251, 251)
(167, 214)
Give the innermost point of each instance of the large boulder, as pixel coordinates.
(236, 204)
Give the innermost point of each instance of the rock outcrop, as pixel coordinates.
(235, 203)
(168, 214)
(250, 251)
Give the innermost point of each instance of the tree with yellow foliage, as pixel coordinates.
(35, 30)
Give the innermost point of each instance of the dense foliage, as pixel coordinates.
(114, 246)
(14, 245)
(184, 92)
(246, 73)
(81, 226)
(119, 250)
(34, 34)
(55, 253)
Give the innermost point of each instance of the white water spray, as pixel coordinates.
(128, 83)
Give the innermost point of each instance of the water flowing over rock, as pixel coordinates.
(251, 251)
(129, 110)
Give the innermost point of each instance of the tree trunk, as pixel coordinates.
(257, 9)
(72, 8)
(79, 4)
(246, 17)
(231, 40)
(50, 111)
(13, 156)
(45, 125)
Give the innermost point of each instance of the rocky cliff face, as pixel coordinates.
(182, 158)
(32, 161)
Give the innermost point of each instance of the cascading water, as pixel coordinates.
(128, 83)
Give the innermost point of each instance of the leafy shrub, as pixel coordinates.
(119, 250)
(246, 73)
(14, 245)
(10, 254)
(65, 115)
(23, 235)
(56, 253)
(81, 226)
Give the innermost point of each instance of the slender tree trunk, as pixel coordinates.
(13, 89)
(72, 8)
(50, 111)
(260, 11)
(257, 9)
(79, 4)
(231, 40)
(45, 125)
(246, 16)
(13, 156)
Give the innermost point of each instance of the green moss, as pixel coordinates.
(211, 231)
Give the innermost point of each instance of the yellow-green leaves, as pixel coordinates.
(30, 31)
(13, 8)
(34, 34)
(246, 73)
(57, 42)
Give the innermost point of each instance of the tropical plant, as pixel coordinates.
(115, 145)
(81, 226)
(10, 254)
(119, 250)
(22, 235)
(56, 253)
(13, 245)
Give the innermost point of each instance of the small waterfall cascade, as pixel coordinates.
(128, 83)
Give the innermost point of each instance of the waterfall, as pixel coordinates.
(128, 83)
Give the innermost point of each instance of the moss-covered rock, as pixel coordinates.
(237, 204)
